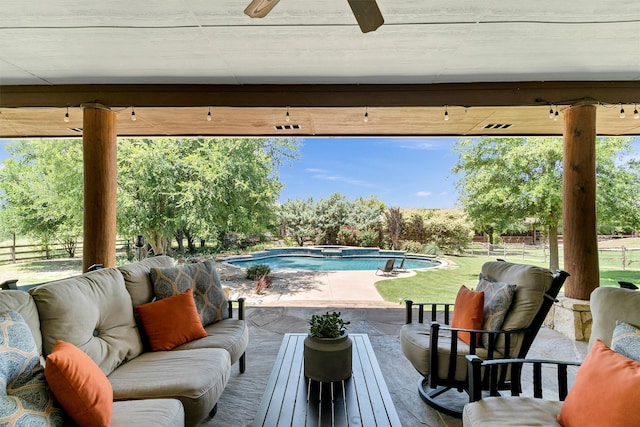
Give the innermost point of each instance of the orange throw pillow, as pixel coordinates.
(78, 384)
(605, 391)
(468, 312)
(171, 321)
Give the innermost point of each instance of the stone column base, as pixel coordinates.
(571, 317)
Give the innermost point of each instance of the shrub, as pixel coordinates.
(368, 238)
(258, 270)
(347, 235)
(450, 231)
(412, 246)
(431, 250)
(261, 283)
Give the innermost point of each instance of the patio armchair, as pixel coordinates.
(516, 299)
(604, 386)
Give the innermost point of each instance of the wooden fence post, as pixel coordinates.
(13, 250)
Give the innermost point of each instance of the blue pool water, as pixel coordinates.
(329, 263)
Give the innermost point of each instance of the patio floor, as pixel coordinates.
(288, 304)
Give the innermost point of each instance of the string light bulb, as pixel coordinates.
(551, 112)
(209, 115)
(635, 112)
(622, 115)
(366, 114)
(555, 115)
(287, 118)
(66, 116)
(446, 113)
(133, 115)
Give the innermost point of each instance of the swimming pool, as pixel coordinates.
(331, 258)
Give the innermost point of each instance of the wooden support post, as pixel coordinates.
(579, 205)
(100, 184)
(13, 250)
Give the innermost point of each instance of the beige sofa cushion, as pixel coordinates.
(148, 413)
(23, 303)
(608, 305)
(511, 411)
(137, 279)
(196, 377)
(229, 334)
(93, 312)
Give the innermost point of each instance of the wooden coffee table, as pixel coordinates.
(290, 399)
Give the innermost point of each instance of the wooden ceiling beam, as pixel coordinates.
(461, 94)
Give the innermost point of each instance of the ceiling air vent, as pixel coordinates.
(498, 126)
(287, 127)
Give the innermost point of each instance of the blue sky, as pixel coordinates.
(404, 172)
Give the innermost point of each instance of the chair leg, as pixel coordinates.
(242, 363)
(213, 411)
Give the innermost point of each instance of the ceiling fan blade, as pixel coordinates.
(367, 14)
(260, 8)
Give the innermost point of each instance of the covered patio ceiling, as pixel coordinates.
(495, 67)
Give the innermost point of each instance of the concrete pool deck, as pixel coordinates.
(311, 288)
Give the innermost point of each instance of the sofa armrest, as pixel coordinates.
(9, 284)
(478, 381)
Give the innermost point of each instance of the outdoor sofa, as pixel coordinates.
(115, 317)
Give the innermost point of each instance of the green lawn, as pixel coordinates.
(442, 284)
(437, 285)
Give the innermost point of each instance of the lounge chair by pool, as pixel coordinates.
(387, 268)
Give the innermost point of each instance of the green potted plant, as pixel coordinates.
(327, 348)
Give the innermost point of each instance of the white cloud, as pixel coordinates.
(423, 193)
(347, 180)
(423, 143)
(315, 170)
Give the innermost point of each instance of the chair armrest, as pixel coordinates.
(240, 303)
(446, 307)
(436, 328)
(474, 333)
(478, 382)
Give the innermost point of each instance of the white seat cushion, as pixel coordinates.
(511, 411)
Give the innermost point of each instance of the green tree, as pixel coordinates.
(366, 213)
(41, 190)
(331, 214)
(199, 186)
(334, 220)
(297, 219)
(509, 180)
